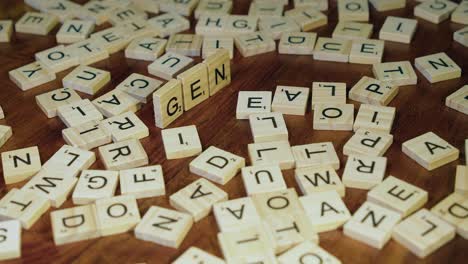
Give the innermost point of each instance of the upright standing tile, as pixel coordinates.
(197, 198)
(275, 27)
(73, 30)
(185, 44)
(434, 11)
(267, 127)
(316, 155)
(94, 185)
(56, 59)
(254, 43)
(23, 205)
(320, 179)
(74, 224)
(181, 142)
(331, 49)
(139, 86)
(195, 85)
(398, 195)
(423, 233)
(252, 102)
(87, 136)
(308, 18)
(10, 244)
(368, 143)
(374, 117)
(168, 103)
(50, 101)
(86, 79)
(366, 51)
(78, 113)
(297, 43)
(399, 73)
(363, 172)
(6, 30)
(353, 10)
(437, 67)
(169, 65)
(273, 153)
(5, 133)
(352, 30)
(116, 102)
(213, 43)
(372, 224)
(169, 23)
(164, 226)
(333, 117)
(218, 66)
(307, 250)
(458, 100)
(290, 100)
(117, 214)
(262, 178)
(20, 164)
(430, 151)
(217, 165)
(31, 75)
(142, 182)
(461, 180)
(36, 23)
(125, 126)
(398, 29)
(147, 48)
(328, 93)
(236, 214)
(194, 254)
(372, 91)
(123, 155)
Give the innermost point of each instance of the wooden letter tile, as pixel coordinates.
(5, 133)
(437, 67)
(374, 117)
(94, 185)
(273, 153)
(366, 51)
(168, 24)
(87, 136)
(213, 7)
(330, 49)
(73, 30)
(181, 142)
(458, 100)
(78, 113)
(275, 27)
(117, 214)
(164, 226)
(125, 126)
(460, 14)
(194, 254)
(184, 8)
(10, 242)
(290, 100)
(353, 10)
(398, 29)
(6, 30)
(263, 178)
(86, 79)
(36, 23)
(297, 43)
(121, 15)
(198, 198)
(69, 161)
(321, 179)
(74, 224)
(139, 86)
(112, 39)
(399, 73)
(461, 180)
(430, 151)
(185, 44)
(254, 43)
(219, 70)
(50, 101)
(145, 48)
(88, 51)
(316, 155)
(116, 102)
(252, 102)
(372, 224)
(372, 91)
(235, 25)
(143, 182)
(368, 143)
(307, 250)
(352, 30)
(56, 59)
(212, 25)
(453, 210)
(267, 127)
(434, 11)
(31, 75)
(264, 9)
(169, 65)
(195, 85)
(328, 93)
(333, 117)
(21, 164)
(168, 103)
(123, 155)
(212, 43)
(236, 214)
(387, 5)
(308, 18)
(364, 172)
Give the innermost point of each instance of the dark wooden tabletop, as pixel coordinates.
(420, 108)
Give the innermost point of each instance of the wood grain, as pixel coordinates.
(420, 108)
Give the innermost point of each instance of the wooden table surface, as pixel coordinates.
(420, 108)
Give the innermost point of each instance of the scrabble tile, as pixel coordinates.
(333, 117)
(51, 185)
(2, 114)
(145, 48)
(125, 126)
(195, 85)
(73, 30)
(374, 117)
(96, 11)
(185, 44)
(252, 102)
(10, 244)
(273, 153)
(112, 39)
(399, 73)
(211, 44)
(248, 245)
(169, 65)
(63, 9)
(321, 5)
(430, 151)
(194, 254)
(218, 66)
(330, 49)
(319, 179)
(352, 30)
(265, 9)
(164, 226)
(325, 210)
(372, 224)
(461, 36)
(87, 136)
(267, 127)
(387, 5)
(147, 5)
(458, 100)
(5, 134)
(398, 196)
(367, 51)
(139, 86)
(290, 100)
(297, 43)
(452, 209)
(328, 93)
(20, 164)
(434, 11)
(78, 113)
(277, 203)
(212, 25)
(212, 7)
(142, 182)
(88, 51)
(217, 165)
(316, 155)
(197, 198)
(116, 102)
(275, 27)
(254, 43)
(169, 24)
(31, 75)
(56, 59)
(364, 172)
(236, 25)
(372, 91)
(94, 185)
(461, 180)
(6, 30)
(437, 67)
(184, 8)
(23, 205)
(262, 178)
(168, 103)
(137, 28)
(36, 23)
(181, 142)
(398, 29)
(236, 214)
(307, 250)
(117, 214)
(460, 15)
(308, 18)
(125, 154)
(50, 101)
(124, 14)
(423, 233)
(68, 161)
(368, 143)
(353, 10)
(74, 224)
(86, 79)
(291, 230)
